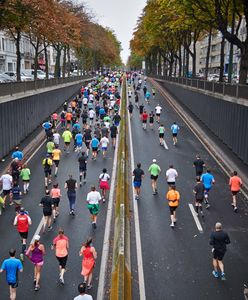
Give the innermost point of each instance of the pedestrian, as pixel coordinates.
(130, 109)
(144, 119)
(235, 184)
(136, 99)
(82, 292)
(171, 175)
(67, 136)
(173, 198)
(151, 119)
(158, 110)
(12, 266)
(25, 176)
(82, 160)
(218, 240)
(104, 185)
(55, 193)
(88, 263)
(153, 92)
(47, 164)
(138, 174)
(6, 180)
(68, 117)
(56, 155)
(62, 119)
(161, 131)
(17, 154)
(48, 128)
(154, 170)
(104, 144)
(35, 253)
(15, 169)
(47, 204)
(208, 181)
(113, 133)
(61, 247)
(174, 129)
(22, 222)
(94, 147)
(199, 165)
(50, 147)
(199, 195)
(93, 198)
(71, 186)
(78, 142)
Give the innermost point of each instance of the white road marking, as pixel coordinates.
(106, 240)
(165, 145)
(137, 226)
(197, 222)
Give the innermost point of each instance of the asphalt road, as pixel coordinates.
(178, 262)
(77, 228)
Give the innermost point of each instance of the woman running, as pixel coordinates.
(89, 256)
(151, 119)
(36, 252)
(104, 185)
(55, 193)
(161, 131)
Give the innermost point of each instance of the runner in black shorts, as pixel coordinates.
(199, 195)
(113, 133)
(82, 160)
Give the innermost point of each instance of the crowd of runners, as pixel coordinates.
(88, 126)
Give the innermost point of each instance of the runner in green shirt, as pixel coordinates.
(25, 176)
(50, 147)
(67, 136)
(154, 170)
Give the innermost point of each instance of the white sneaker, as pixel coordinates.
(172, 225)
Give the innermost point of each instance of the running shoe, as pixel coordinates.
(172, 225)
(223, 276)
(215, 273)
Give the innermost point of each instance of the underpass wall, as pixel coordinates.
(20, 117)
(227, 120)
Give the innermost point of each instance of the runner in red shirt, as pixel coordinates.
(235, 184)
(144, 119)
(22, 221)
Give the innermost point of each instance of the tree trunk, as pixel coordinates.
(57, 63)
(244, 63)
(222, 59)
(159, 63)
(64, 62)
(208, 52)
(171, 65)
(194, 60)
(184, 59)
(175, 67)
(187, 63)
(230, 63)
(18, 56)
(180, 61)
(36, 54)
(46, 60)
(68, 60)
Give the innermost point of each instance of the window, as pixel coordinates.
(3, 44)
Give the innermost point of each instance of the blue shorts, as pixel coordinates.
(79, 144)
(104, 148)
(137, 184)
(207, 189)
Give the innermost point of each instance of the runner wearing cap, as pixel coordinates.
(22, 222)
(154, 170)
(47, 164)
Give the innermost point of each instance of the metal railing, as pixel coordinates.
(11, 88)
(223, 88)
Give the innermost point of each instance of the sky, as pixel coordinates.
(119, 15)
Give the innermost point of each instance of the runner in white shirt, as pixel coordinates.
(93, 198)
(85, 102)
(171, 175)
(56, 137)
(82, 293)
(91, 97)
(158, 110)
(104, 185)
(104, 143)
(6, 181)
(91, 114)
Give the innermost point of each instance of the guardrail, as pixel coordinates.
(12, 88)
(223, 88)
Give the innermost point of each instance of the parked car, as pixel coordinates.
(40, 74)
(24, 76)
(11, 74)
(213, 77)
(5, 78)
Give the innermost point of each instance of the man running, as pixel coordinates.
(144, 119)
(199, 195)
(94, 147)
(79, 142)
(154, 170)
(158, 110)
(67, 136)
(171, 175)
(93, 198)
(141, 109)
(56, 154)
(71, 186)
(47, 204)
(104, 144)
(208, 180)
(47, 164)
(151, 119)
(82, 160)
(161, 131)
(199, 165)
(113, 133)
(235, 184)
(153, 92)
(6, 181)
(218, 240)
(130, 109)
(138, 174)
(173, 198)
(174, 128)
(22, 221)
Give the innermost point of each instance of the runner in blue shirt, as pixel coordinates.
(11, 266)
(147, 96)
(94, 146)
(174, 128)
(17, 154)
(208, 180)
(76, 126)
(79, 141)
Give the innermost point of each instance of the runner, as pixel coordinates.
(56, 137)
(161, 131)
(147, 97)
(144, 90)
(35, 253)
(93, 198)
(61, 247)
(91, 114)
(15, 169)
(82, 292)
(82, 160)
(151, 119)
(199, 165)
(104, 185)
(88, 263)
(141, 109)
(11, 266)
(199, 195)
(116, 119)
(6, 181)
(54, 119)
(68, 117)
(158, 110)
(130, 109)
(144, 119)
(71, 186)
(94, 146)
(62, 119)
(47, 204)
(173, 198)
(50, 147)
(154, 170)
(174, 128)
(47, 164)
(17, 154)
(22, 222)
(138, 174)
(67, 136)
(235, 184)
(153, 92)
(25, 176)
(79, 142)
(56, 154)
(113, 133)
(136, 99)
(218, 240)
(171, 175)
(47, 126)
(16, 196)
(104, 144)
(87, 139)
(55, 193)
(208, 180)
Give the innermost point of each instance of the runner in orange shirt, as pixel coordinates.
(68, 118)
(235, 184)
(173, 197)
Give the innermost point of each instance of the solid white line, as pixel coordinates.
(106, 240)
(137, 226)
(197, 222)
